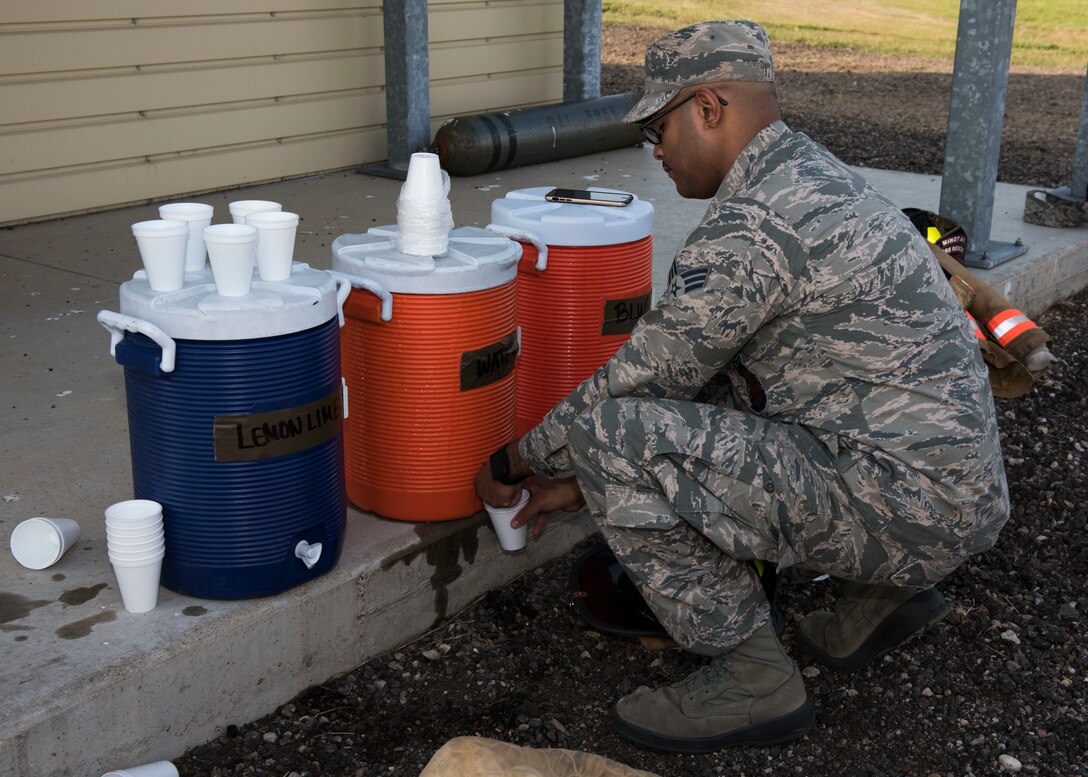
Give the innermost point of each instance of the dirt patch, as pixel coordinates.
(892, 112)
(1003, 675)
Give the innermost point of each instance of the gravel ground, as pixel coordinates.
(891, 112)
(999, 686)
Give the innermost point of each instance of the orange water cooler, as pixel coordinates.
(428, 352)
(584, 279)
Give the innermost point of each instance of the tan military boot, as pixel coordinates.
(868, 621)
(751, 696)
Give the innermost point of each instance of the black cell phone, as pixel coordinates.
(586, 197)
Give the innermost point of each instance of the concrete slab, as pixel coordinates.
(88, 686)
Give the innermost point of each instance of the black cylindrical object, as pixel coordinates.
(470, 145)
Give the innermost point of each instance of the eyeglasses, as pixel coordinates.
(653, 134)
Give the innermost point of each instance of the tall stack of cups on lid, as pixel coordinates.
(235, 399)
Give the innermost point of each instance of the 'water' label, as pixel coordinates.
(279, 432)
(490, 363)
(621, 315)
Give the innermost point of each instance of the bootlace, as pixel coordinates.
(707, 677)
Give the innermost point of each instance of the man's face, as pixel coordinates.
(686, 152)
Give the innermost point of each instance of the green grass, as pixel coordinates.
(1048, 33)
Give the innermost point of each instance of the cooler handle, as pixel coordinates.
(343, 289)
(528, 237)
(375, 288)
(117, 324)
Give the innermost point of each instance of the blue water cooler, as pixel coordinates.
(235, 411)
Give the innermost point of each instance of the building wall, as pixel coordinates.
(116, 102)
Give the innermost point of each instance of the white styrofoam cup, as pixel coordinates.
(239, 209)
(275, 242)
(156, 769)
(197, 215)
(139, 583)
(424, 179)
(133, 512)
(232, 250)
(121, 546)
(39, 542)
(509, 537)
(162, 244)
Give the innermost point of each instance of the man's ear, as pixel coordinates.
(710, 110)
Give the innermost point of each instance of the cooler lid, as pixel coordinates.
(476, 259)
(197, 312)
(569, 224)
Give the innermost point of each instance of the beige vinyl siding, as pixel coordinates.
(115, 102)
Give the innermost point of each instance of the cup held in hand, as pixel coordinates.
(509, 538)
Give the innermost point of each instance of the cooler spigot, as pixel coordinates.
(308, 553)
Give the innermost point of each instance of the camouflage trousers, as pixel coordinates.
(687, 494)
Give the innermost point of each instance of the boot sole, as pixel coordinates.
(773, 732)
(907, 621)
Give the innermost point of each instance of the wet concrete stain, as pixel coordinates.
(21, 639)
(58, 577)
(6, 627)
(443, 551)
(81, 595)
(194, 610)
(82, 628)
(14, 606)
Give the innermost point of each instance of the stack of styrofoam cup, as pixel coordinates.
(232, 251)
(424, 216)
(136, 543)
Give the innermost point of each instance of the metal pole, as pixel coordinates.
(581, 50)
(407, 81)
(975, 117)
(1079, 185)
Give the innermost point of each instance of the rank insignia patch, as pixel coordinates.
(687, 281)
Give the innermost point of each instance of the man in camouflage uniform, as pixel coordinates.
(806, 392)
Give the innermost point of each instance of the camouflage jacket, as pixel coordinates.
(821, 305)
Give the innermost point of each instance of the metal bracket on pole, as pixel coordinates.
(976, 114)
(407, 87)
(581, 50)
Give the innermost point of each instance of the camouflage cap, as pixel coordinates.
(700, 54)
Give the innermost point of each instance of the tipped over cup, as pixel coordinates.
(275, 242)
(197, 215)
(39, 542)
(162, 244)
(232, 250)
(239, 209)
(509, 537)
(156, 769)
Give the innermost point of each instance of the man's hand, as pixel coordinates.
(496, 493)
(545, 496)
